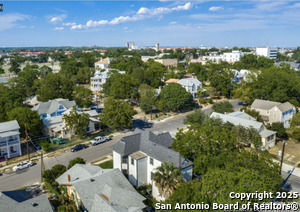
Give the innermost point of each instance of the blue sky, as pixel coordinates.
(246, 23)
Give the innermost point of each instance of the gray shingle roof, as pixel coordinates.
(268, 105)
(109, 182)
(264, 104)
(155, 146)
(9, 126)
(7, 203)
(267, 133)
(53, 105)
(285, 107)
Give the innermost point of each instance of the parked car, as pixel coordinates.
(99, 140)
(22, 165)
(78, 147)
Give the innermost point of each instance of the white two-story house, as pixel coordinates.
(272, 112)
(10, 145)
(268, 137)
(139, 154)
(191, 85)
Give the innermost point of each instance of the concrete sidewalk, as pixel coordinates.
(291, 169)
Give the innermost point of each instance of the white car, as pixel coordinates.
(22, 165)
(99, 140)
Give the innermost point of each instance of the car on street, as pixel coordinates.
(22, 165)
(78, 147)
(99, 140)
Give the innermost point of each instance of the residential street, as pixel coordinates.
(13, 180)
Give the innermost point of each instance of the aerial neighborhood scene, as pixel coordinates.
(127, 106)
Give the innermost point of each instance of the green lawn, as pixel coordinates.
(107, 165)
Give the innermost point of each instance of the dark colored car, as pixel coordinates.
(78, 147)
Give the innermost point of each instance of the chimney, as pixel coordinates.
(68, 178)
(249, 118)
(105, 197)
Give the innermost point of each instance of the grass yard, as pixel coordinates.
(107, 164)
(291, 152)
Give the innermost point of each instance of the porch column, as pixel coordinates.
(20, 150)
(8, 154)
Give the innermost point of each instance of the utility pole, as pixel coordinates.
(27, 141)
(282, 157)
(42, 166)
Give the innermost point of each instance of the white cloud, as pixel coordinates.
(173, 22)
(58, 18)
(69, 24)
(59, 28)
(141, 14)
(8, 21)
(214, 9)
(125, 28)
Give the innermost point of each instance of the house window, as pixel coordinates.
(275, 115)
(132, 161)
(151, 161)
(152, 175)
(268, 112)
(124, 159)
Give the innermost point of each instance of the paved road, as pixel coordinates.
(13, 180)
(292, 182)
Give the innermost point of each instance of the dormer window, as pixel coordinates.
(61, 107)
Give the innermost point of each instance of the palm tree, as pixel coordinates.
(167, 178)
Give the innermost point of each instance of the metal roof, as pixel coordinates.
(53, 105)
(9, 126)
(237, 121)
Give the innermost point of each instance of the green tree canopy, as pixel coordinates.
(167, 179)
(279, 129)
(54, 86)
(27, 117)
(195, 118)
(75, 161)
(117, 114)
(14, 66)
(77, 122)
(223, 107)
(82, 96)
(175, 96)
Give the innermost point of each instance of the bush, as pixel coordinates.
(202, 101)
(76, 160)
(58, 170)
(48, 177)
(210, 101)
(45, 145)
(223, 107)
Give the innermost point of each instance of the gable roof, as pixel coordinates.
(268, 105)
(53, 105)
(101, 189)
(189, 82)
(155, 146)
(21, 201)
(285, 106)
(264, 104)
(9, 126)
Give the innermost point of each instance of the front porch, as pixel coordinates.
(10, 148)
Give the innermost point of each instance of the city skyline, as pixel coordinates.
(170, 23)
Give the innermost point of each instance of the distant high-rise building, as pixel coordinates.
(130, 44)
(157, 47)
(270, 52)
